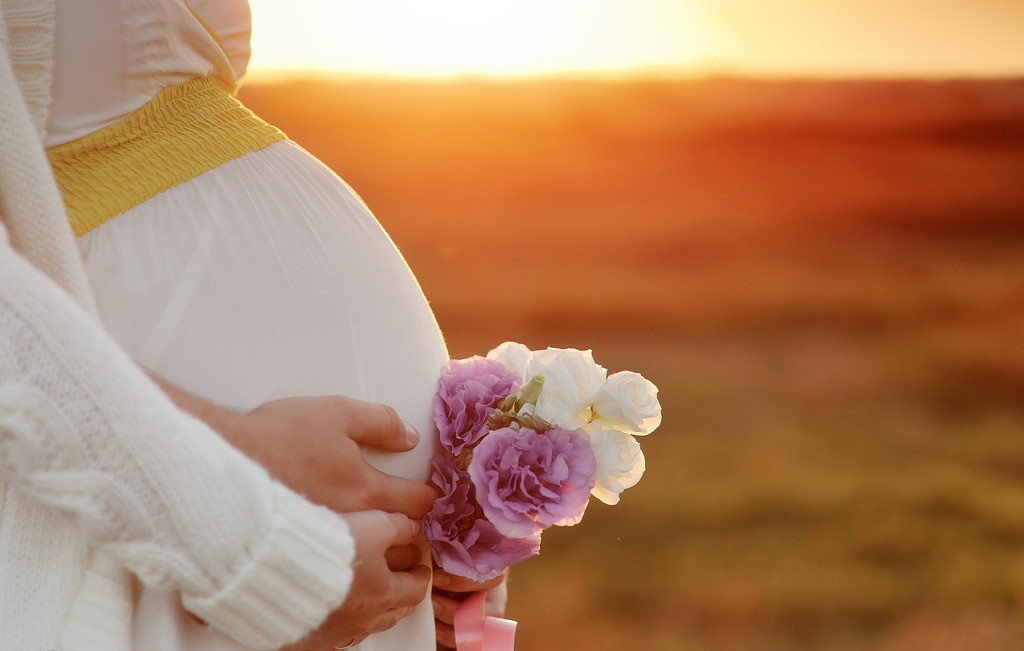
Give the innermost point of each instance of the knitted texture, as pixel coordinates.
(30, 203)
(84, 434)
(29, 43)
(296, 570)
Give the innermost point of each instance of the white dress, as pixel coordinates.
(263, 278)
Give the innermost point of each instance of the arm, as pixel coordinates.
(86, 435)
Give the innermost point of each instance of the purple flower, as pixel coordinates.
(461, 540)
(527, 481)
(467, 394)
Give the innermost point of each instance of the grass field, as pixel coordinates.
(825, 279)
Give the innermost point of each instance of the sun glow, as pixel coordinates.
(451, 37)
(516, 37)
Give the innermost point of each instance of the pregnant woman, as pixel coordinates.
(226, 260)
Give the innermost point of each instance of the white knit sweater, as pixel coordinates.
(99, 473)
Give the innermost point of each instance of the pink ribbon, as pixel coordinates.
(475, 631)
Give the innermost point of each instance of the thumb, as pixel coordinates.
(379, 426)
(381, 530)
(400, 495)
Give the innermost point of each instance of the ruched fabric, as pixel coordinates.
(184, 131)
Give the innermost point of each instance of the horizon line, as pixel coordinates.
(632, 74)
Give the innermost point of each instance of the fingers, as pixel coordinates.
(444, 619)
(377, 425)
(398, 529)
(455, 583)
(400, 559)
(450, 591)
(387, 582)
(409, 588)
(375, 532)
(388, 579)
(445, 636)
(400, 495)
(444, 607)
(497, 599)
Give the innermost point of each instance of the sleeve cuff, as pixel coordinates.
(298, 574)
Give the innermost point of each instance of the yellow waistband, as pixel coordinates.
(184, 131)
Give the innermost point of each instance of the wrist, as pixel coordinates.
(299, 573)
(229, 424)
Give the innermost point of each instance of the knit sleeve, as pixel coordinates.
(86, 434)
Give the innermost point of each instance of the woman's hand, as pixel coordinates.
(448, 594)
(311, 445)
(388, 582)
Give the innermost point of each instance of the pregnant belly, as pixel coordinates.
(267, 278)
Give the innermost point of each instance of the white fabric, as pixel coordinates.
(113, 56)
(262, 279)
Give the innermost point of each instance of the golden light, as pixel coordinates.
(449, 37)
(765, 37)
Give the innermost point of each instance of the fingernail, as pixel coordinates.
(411, 434)
(437, 604)
(442, 580)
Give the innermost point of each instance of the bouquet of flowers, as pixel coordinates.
(528, 437)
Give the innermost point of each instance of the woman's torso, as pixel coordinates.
(263, 278)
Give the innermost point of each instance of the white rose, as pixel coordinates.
(620, 462)
(514, 356)
(571, 381)
(628, 401)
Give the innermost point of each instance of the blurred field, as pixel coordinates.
(825, 279)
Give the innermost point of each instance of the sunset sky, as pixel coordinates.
(775, 37)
